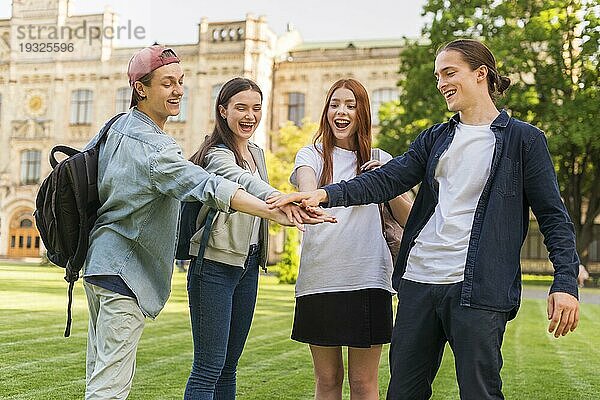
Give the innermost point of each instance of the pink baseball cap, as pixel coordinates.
(147, 60)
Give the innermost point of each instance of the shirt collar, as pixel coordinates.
(501, 121)
(144, 117)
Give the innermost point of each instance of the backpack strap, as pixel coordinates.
(105, 128)
(210, 217)
(376, 155)
(69, 313)
(66, 150)
(206, 222)
(69, 151)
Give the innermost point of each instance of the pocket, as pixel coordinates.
(221, 222)
(506, 177)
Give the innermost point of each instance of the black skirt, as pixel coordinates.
(359, 318)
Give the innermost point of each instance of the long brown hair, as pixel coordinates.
(477, 54)
(221, 133)
(362, 138)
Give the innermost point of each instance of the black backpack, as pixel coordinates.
(193, 216)
(66, 209)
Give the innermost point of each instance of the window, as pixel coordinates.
(295, 107)
(81, 107)
(182, 116)
(30, 167)
(214, 92)
(123, 99)
(381, 96)
(26, 223)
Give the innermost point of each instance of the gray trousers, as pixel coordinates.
(115, 327)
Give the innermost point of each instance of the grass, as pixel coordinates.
(36, 362)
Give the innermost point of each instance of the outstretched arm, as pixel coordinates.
(221, 161)
(246, 203)
(383, 184)
(400, 205)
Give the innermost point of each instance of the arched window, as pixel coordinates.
(30, 167)
(123, 99)
(81, 106)
(381, 96)
(26, 223)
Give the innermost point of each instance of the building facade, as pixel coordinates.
(62, 77)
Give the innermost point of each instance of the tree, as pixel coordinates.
(287, 268)
(280, 163)
(550, 50)
(288, 140)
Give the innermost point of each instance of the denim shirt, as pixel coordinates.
(522, 176)
(142, 176)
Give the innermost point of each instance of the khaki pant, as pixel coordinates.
(115, 327)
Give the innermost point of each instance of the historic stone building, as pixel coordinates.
(61, 77)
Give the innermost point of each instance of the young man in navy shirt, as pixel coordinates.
(458, 273)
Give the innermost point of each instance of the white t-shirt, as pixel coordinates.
(349, 255)
(440, 250)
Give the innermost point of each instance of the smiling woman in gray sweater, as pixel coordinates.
(222, 286)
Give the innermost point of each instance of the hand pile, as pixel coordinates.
(297, 209)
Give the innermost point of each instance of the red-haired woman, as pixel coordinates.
(344, 292)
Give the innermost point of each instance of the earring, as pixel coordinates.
(223, 116)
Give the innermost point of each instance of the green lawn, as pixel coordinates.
(36, 362)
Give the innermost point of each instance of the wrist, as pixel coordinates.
(323, 197)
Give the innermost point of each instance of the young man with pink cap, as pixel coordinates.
(142, 176)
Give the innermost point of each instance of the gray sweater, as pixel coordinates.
(230, 236)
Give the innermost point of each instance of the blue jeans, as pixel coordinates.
(222, 299)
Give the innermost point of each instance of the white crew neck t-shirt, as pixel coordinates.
(349, 255)
(440, 250)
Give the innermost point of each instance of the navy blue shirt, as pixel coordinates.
(522, 176)
(114, 283)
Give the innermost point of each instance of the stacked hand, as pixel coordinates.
(291, 212)
(308, 200)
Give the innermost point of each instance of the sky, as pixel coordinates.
(176, 21)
